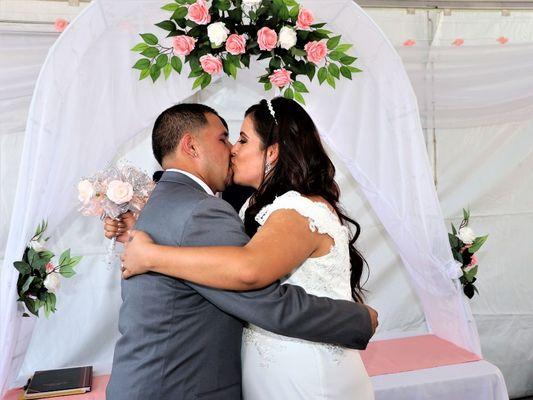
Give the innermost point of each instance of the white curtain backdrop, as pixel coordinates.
(84, 329)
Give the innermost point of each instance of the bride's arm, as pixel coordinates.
(282, 244)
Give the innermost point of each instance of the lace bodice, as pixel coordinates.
(328, 275)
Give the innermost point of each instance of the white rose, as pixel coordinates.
(119, 192)
(85, 191)
(218, 33)
(251, 3)
(287, 38)
(466, 235)
(38, 245)
(52, 282)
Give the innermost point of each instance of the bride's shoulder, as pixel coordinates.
(307, 206)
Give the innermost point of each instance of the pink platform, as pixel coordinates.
(412, 353)
(380, 358)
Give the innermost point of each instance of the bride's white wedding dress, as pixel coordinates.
(279, 367)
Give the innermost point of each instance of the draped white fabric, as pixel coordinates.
(88, 98)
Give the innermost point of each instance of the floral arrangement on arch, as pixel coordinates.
(222, 37)
(39, 277)
(465, 244)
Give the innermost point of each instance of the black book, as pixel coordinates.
(59, 382)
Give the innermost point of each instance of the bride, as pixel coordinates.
(299, 236)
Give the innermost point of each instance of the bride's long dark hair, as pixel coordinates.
(303, 166)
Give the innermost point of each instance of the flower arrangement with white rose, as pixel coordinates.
(39, 277)
(223, 36)
(113, 192)
(465, 244)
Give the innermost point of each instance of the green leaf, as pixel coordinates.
(139, 47)
(311, 70)
(275, 63)
(288, 94)
(293, 13)
(291, 3)
(466, 215)
(222, 5)
(180, 13)
(333, 69)
(167, 70)
(336, 56)
(331, 81)
(65, 256)
(343, 47)
(268, 86)
(299, 87)
(233, 70)
(150, 52)
(143, 63)
(236, 15)
(333, 42)
(353, 69)
(149, 38)
(322, 74)
(324, 32)
(176, 64)
(167, 25)
(206, 81)
(22, 267)
(347, 60)
(47, 255)
(245, 59)
(195, 73)
(170, 7)
(298, 52)
(198, 81)
(155, 71)
(478, 242)
(144, 73)
(30, 305)
(284, 13)
(454, 241)
(75, 260)
(454, 231)
(32, 257)
(299, 98)
(67, 271)
(27, 284)
(346, 72)
(161, 60)
(320, 25)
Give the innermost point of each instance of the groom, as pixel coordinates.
(181, 340)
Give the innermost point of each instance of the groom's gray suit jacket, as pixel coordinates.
(183, 341)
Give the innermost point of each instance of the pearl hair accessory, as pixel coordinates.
(272, 112)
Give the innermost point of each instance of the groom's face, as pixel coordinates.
(215, 153)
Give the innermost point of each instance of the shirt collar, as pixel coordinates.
(194, 178)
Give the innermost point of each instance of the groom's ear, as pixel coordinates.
(272, 153)
(189, 145)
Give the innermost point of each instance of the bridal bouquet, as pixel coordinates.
(224, 35)
(39, 277)
(113, 192)
(464, 245)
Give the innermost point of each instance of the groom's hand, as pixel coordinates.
(119, 228)
(373, 318)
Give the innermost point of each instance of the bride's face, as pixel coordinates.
(247, 156)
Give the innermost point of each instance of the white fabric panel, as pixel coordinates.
(478, 380)
(84, 103)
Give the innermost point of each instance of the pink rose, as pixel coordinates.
(267, 38)
(183, 45)
(199, 13)
(211, 64)
(473, 261)
(49, 267)
(236, 44)
(305, 19)
(316, 51)
(281, 77)
(458, 42)
(60, 24)
(409, 43)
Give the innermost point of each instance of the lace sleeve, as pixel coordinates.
(320, 217)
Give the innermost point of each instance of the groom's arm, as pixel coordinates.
(284, 309)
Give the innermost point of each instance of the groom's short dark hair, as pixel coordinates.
(172, 123)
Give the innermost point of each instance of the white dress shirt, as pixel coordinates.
(194, 178)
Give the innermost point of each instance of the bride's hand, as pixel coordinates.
(136, 255)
